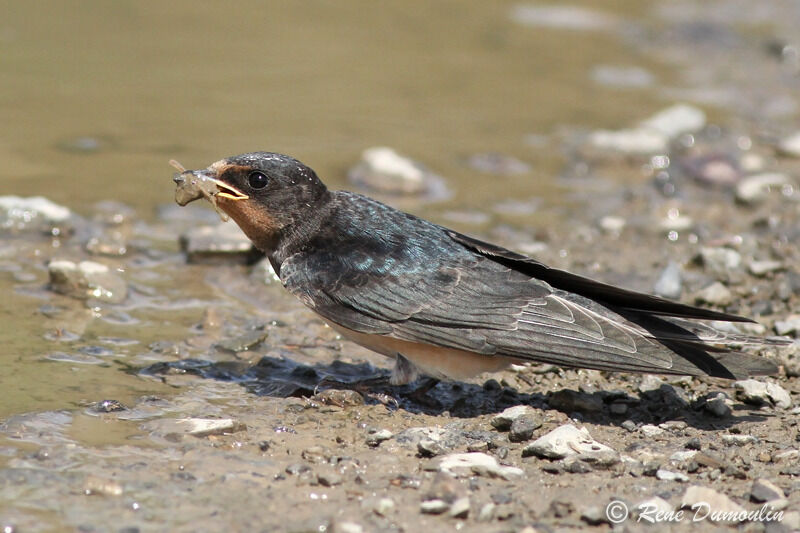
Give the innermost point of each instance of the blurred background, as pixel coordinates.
(98, 96)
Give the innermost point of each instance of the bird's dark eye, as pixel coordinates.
(257, 180)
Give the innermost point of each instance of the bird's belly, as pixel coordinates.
(433, 361)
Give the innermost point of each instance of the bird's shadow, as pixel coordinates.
(282, 377)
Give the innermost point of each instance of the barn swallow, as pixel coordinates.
(443, 304)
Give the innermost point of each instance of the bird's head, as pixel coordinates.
(263, 192)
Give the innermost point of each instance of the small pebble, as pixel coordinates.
(523, 427)
(434, 506)
(383, 170)
(789, 326)
(570, 401)
(760, 393)
(715, 294)
(477, 463)
(719, 261)
(568, 440)
(374, 439)
(762, 268)
(503, 421)
(650, 431)
(755, 189)
(384, 506)
(460, 508)
(595, 515)
(738, 440)
(669, 283)
(715, 501)
(667, 475)
(764, 490)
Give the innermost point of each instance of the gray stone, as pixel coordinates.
(430, 448)
(86, 280)
(329, 478)
(477, 463)
(669, 283)
(216, 244)
(567, 441)
(503, 421)
(759, 393)
(718, 405)
(755, 189)
(714, 294)
(570, 401)
(523, 427)
(764, 490)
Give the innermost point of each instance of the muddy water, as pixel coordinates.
(102, 95)
(96, 97)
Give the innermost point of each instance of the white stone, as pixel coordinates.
(755, 189)
(789, 326)
(504, 420)
(704, 502)
(682, 455)
(349, 527)
(563, 17)
(675, 120)
(477, 463)
(762, 268)
(17, 206)
(640, 141)
(568, 441)
(667, 475)
(460, 508)
(202, 427)
(649, 430)
(758, 392)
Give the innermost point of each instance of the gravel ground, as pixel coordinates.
(212, 400)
